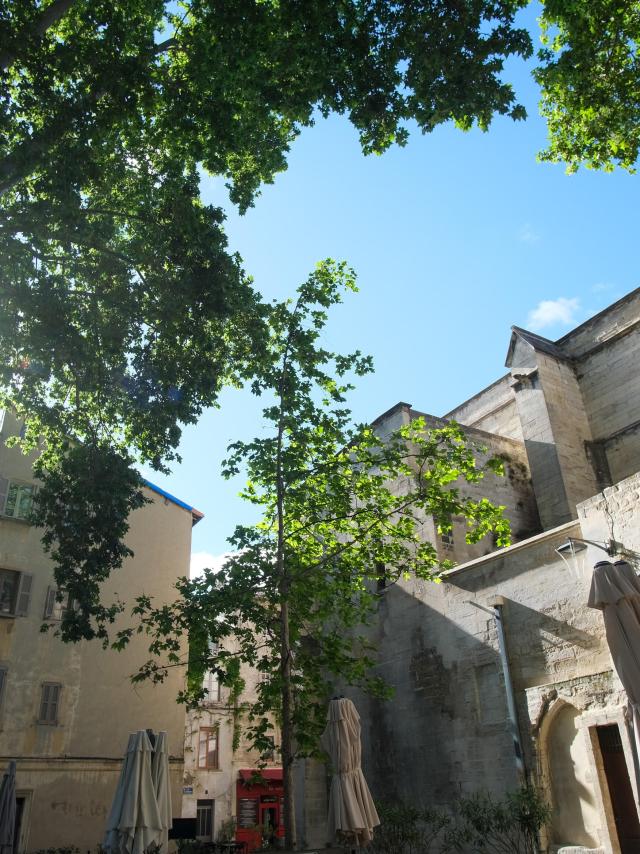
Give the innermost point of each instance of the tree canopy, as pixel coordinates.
(122, 311)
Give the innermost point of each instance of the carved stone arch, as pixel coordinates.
(564, 755)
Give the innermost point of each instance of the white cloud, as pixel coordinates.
(205, 560)
(552, 312)
(601, 286)
(528, 234)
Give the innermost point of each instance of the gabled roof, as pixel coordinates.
(543, 345)
(196, 515)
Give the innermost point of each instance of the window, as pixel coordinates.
(208, 748)
(204, 820)
(16, 498)
(15, 593)
(211, 685)
(3, 682)
(381, 577)
(55, 607)
(446, 537)
(49, 702)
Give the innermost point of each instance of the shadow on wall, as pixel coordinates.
(445, 732)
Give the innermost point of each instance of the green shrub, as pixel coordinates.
(508, 826)
(408, 830)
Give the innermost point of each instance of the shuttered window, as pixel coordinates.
(49, 702)
(208, 748)
(15, 592)
(54, 606)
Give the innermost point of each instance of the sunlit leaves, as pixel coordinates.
(590, 79)
(345, 501)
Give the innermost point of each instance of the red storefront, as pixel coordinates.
(259, 806)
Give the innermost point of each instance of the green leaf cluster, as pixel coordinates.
(590, 80)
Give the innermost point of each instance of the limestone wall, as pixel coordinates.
(603, 326)
(446, 730)
(68, 800)
(493, 409)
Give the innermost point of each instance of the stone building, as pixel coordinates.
(566, 419)
(217, 754)
(66, 709)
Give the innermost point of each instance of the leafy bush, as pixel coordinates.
(478, 824)
(408, 830)
(508, 826)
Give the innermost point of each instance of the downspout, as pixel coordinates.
(514, 728)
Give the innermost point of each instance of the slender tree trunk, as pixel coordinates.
(289, 818)
(284, 583)
(285, 645)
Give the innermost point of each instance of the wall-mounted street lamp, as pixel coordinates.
(577, 544)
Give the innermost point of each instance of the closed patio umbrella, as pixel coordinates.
(161, 785)
(134, 822)
(8, 809)
(352, 813)
(615, 590)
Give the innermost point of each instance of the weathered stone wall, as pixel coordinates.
(570, 429)
(68, 800)
(513, 491)
(445, 731)
(609, 377)
(493, 410)
(615, 319)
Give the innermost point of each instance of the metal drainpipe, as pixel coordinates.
(496, 613)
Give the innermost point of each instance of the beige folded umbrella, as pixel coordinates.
(134, 822)
(162, 786)
(615, 590)
(352, 813)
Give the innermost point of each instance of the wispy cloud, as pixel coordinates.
(599, 287)
(553, 312)
(205, 560)
(528, 234)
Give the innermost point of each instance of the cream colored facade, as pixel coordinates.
(217, 785)
(67, 768)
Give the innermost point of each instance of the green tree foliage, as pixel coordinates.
(122, 312)
(338, 502)
(590, 79)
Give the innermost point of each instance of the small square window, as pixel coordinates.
(49, 703)
(208, 748)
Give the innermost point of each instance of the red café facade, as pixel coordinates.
(259, 799)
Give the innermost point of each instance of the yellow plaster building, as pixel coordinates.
(66, 709)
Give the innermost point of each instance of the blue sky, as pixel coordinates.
(454, 238)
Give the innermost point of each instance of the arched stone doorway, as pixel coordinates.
(567, 768)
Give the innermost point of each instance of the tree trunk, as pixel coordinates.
(289, 818)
